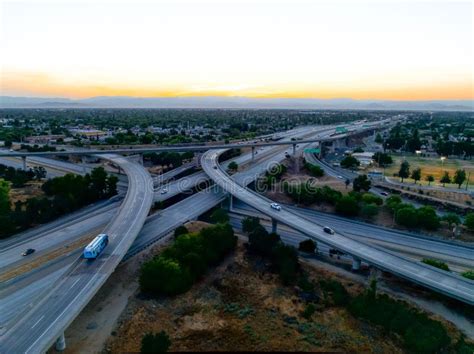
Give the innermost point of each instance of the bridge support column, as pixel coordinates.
(231, 202)
(274, 226)
(294, 149)
(23, 159)
(253, 153)
(119, 170)
(355, 264)
(61, 343)
(140, 159)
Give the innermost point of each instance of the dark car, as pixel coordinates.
(28, 251)
(328, 230)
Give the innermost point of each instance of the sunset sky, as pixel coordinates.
(362, 50)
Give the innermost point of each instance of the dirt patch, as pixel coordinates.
(30, 190)
(241, 306)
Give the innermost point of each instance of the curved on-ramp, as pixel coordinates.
(46, 319)
(444, 282)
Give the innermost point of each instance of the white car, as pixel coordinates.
(275, 206)
(164, 191)
(340, 177)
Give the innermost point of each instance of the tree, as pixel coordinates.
(451, 219)
(459, 177)
(350, 162)
(427, 217)
(378, 138)
(361, 183)
(4, 197)
(407, 216)
(416, 174)
(382, 159)
(163, 276)
(250, 223)
(347, 206)
(347, 182)
(445, 179)
(469, 221)
(233, 166)
(430, 179)
(219, 216)
(180, 230)
(368, 211)
(155, 343)
(308, 246)
(404, 171)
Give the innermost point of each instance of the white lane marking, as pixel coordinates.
(37, 322)
(74, 283)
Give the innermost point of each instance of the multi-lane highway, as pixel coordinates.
(433, 278)
(45, 320)
(157, 226)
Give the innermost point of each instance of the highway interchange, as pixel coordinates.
(51, 318)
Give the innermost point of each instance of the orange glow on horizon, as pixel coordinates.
(38, 84)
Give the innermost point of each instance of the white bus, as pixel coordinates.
(97, 245)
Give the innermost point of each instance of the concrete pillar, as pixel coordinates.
(355, 264)
(140, 159)
(253, 153)
(61, 343)
(119, 170)
(23, 158)
(231, 202)
(294, 149)
(274, 226)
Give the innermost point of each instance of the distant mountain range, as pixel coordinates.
(233, 103)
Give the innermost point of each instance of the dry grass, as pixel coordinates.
(432, 166)
(240, 307)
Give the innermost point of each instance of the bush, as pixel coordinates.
(309, 310)
(469, 274)
(315, 170)
(407, 216)
(427, 218)
(361, 183)
(155, 343)
(347, 206)
(350, 162)
(285, 259)
(369, 211)
(180, 230)
(233, 166)
(370, 198)
(436, 263)
(178, 266)
(249, 224)
(219, 216)
(335, 292)
(469, 221)
(308, 246)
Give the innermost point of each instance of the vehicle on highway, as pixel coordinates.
(164, 191)
(328, 230)
(95, 248)
(275, 206)
(340, 177)
(385, 194)
(28, 252)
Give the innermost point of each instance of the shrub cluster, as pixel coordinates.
(419, 333)
(436, 263)
(63, 195)
(409, 216)
(284, 258)
(19, 177)
(188, 258)
(315, 170)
